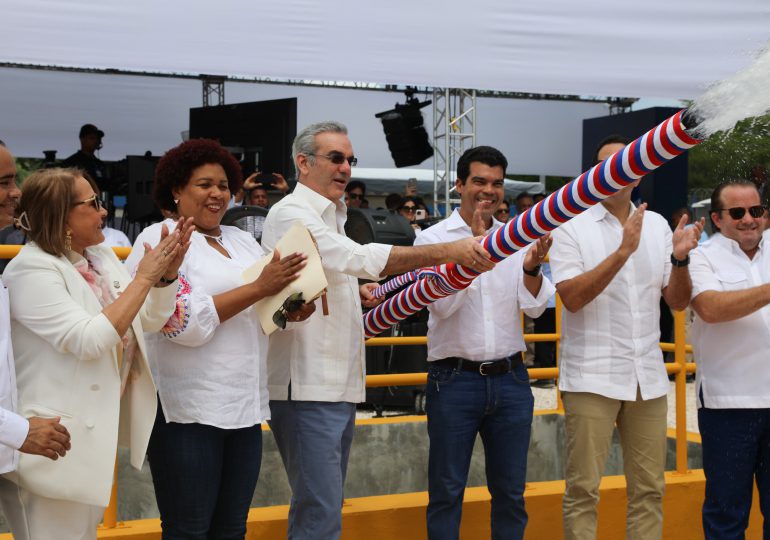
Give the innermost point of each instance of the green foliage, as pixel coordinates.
(25, 166)
(733, 154)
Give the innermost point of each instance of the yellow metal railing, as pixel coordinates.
(679, 367)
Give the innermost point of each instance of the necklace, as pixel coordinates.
(216, 237)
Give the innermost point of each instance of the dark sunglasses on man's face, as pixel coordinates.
(338, 158)
(355, 196)
(738, 212)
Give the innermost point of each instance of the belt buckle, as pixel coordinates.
(481, 367)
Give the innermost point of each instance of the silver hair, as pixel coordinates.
(304, 142)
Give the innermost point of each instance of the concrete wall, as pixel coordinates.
(389, 456)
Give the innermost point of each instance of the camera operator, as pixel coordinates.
(256, 186)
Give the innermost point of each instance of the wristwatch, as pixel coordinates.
(679, 264)
(534, 272)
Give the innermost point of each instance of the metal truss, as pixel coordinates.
(454, 131)
(213, 86)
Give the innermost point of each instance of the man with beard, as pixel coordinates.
(477, 383)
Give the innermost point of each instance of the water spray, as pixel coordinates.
(719, 108)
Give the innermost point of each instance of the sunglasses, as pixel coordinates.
(338, 158)
(292, 303)
(355, 196)
(502, 211)
(408, 209)
(94, 201)
(738, 212)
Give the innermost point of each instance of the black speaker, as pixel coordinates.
(665, 189)
(380, 226)
(405, 132)
(247, 218)
(140, 206)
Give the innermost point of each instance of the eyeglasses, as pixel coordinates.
(94, 201)
(338, 158)
(738, 212)
(355, 196)
(292, 303)
(503, 211)
(408, 209)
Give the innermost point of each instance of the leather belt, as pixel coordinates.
(487, 367)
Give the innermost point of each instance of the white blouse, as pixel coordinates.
(209, 372)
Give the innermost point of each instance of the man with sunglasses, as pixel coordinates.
(731, 339)
(355, 192)
(316, 370)
(611, 265)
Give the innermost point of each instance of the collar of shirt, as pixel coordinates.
(321, 204)
(730, 245)
(599, 212)
(456, 221)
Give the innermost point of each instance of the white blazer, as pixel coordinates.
(67, 365)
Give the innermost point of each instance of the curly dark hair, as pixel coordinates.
(176, 166)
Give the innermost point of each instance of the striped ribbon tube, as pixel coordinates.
(656, 147)
(395, 283)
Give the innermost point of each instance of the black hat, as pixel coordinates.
(90, 129)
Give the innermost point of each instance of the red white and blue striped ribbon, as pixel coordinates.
(656, 147)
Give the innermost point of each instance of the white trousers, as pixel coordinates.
(33, 517)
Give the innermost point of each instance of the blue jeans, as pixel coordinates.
(736, 450)
(461, 404)
(314, 439)
(204, 478)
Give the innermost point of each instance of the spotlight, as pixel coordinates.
(404, 130)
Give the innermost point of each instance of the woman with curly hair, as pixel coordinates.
(209, 359)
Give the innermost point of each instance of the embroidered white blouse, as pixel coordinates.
(209, 372)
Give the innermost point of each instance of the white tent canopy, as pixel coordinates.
(668, 48)
(656, 48)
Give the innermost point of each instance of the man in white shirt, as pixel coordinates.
(731, 338)
(316, 370)
(477, 383)
(611, 264)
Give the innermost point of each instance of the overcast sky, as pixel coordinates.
(42, 110)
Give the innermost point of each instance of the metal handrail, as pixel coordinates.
(680, 368)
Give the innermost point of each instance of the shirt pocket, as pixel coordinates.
(732, 281)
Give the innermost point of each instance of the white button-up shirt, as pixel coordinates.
(611, 346)
(732, 356)
(481, 322)
(323, 358)
(207, 371)
(13, 428)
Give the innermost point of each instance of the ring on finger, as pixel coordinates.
(165, 253)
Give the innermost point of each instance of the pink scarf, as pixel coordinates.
(92, 271)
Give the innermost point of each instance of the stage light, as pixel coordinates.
(405, 131)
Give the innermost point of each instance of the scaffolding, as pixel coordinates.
(213, 86)
(454, 132)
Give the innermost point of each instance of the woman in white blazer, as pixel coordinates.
(77, 323)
